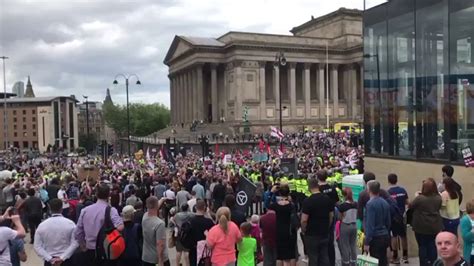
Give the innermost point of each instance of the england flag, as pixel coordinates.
(276, 133)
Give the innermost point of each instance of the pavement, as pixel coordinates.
(34, 260)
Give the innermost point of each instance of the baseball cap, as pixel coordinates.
(127, 213)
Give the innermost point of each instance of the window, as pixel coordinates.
(33, 111)
(24, 126)
(14, 112)
(14, 119)
(25, 134)
(15, 134)
(34, 133)
(24, 119)
(25, 145)
(24, 112)
(14, 127)
(34, 126)
(34, 119)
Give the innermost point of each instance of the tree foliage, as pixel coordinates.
(144, 118)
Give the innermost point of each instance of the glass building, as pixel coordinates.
(419, 79)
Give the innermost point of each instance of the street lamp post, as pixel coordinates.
(128, 109)
(87, 122)
(5, 116)
(280, 60)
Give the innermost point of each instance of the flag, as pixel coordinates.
(148, 154)
(269, 150)
(261, 144)
(216, 151)
(163, 153)
(276, 133)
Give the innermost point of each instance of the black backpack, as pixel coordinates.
(396, 215)
(185, 235)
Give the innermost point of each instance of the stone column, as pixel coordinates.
(348, 89)
(214, 99)
(292, 87)
(200, 93)
(238, 91)
(189, 96)
(194, 94)
(178, 96)
(276, 87)
(172, 100)
(362, 90)
(307, 90)
(263, 104)
(353, 87)
(321, 88)
(186, 97)
(182, 109)
(334, 89)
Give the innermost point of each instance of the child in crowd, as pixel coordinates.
(247, 247)
(255, 233)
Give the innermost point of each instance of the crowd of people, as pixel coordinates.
(137, 209)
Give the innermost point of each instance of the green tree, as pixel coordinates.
(144, 118)
(89, 143)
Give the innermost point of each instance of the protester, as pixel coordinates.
(180, 218)
(316, 220)
(348, 228)
(222, 238)
(91, 221)
(132, 236)
(63, 197)
(247, 247)
(268, 226)
(237, 216)
(467, 232)
(182, 197)
(155, 250)
(33, 209)
(218, 195)
(201, 226)
(55, 242)
(132, 199)
(450, 209)
(426, 221)
(377, 224)
(7, 234)
(448, 172)
(17, 251)
(399, 228)
(286, 229)
(448, 248)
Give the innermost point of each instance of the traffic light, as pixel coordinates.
(110, 149)
(100, 149)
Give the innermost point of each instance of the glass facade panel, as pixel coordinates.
(418, 71)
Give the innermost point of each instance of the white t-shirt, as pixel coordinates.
(191, 204)
(6, 234)
(62, 195)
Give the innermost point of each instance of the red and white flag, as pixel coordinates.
(276, 133)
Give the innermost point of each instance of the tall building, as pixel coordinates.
(36, 123)
(218, 80)
(19, 89)
(97, 124)
(419, 87)
(29, 90)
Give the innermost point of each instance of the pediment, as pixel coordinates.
(178, 47)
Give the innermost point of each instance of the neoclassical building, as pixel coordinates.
(218, 79)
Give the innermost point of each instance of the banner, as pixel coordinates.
(289, 166)
(467, 155)
(245, 193)
(260, 157)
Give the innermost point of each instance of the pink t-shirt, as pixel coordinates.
(223, 245)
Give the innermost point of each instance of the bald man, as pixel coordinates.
(449, 250)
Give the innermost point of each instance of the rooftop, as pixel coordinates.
(37, 99)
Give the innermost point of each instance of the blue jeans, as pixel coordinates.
(451, 225)
(426, 249)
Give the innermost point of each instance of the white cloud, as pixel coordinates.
(77, 46)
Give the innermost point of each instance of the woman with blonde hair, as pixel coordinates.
(222, 239)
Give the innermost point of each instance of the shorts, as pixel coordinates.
(399, 229)
(180, 247)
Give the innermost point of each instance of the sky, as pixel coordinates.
(78, 46)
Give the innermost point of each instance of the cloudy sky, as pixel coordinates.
(77, 46)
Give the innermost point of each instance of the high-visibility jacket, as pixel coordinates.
(270, 179)
(354, 171)
(291, 185)
(298, 185)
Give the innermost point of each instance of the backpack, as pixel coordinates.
(396, 214)
(110, 244)
(133, 250)
(185, 235)
(43, 195)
